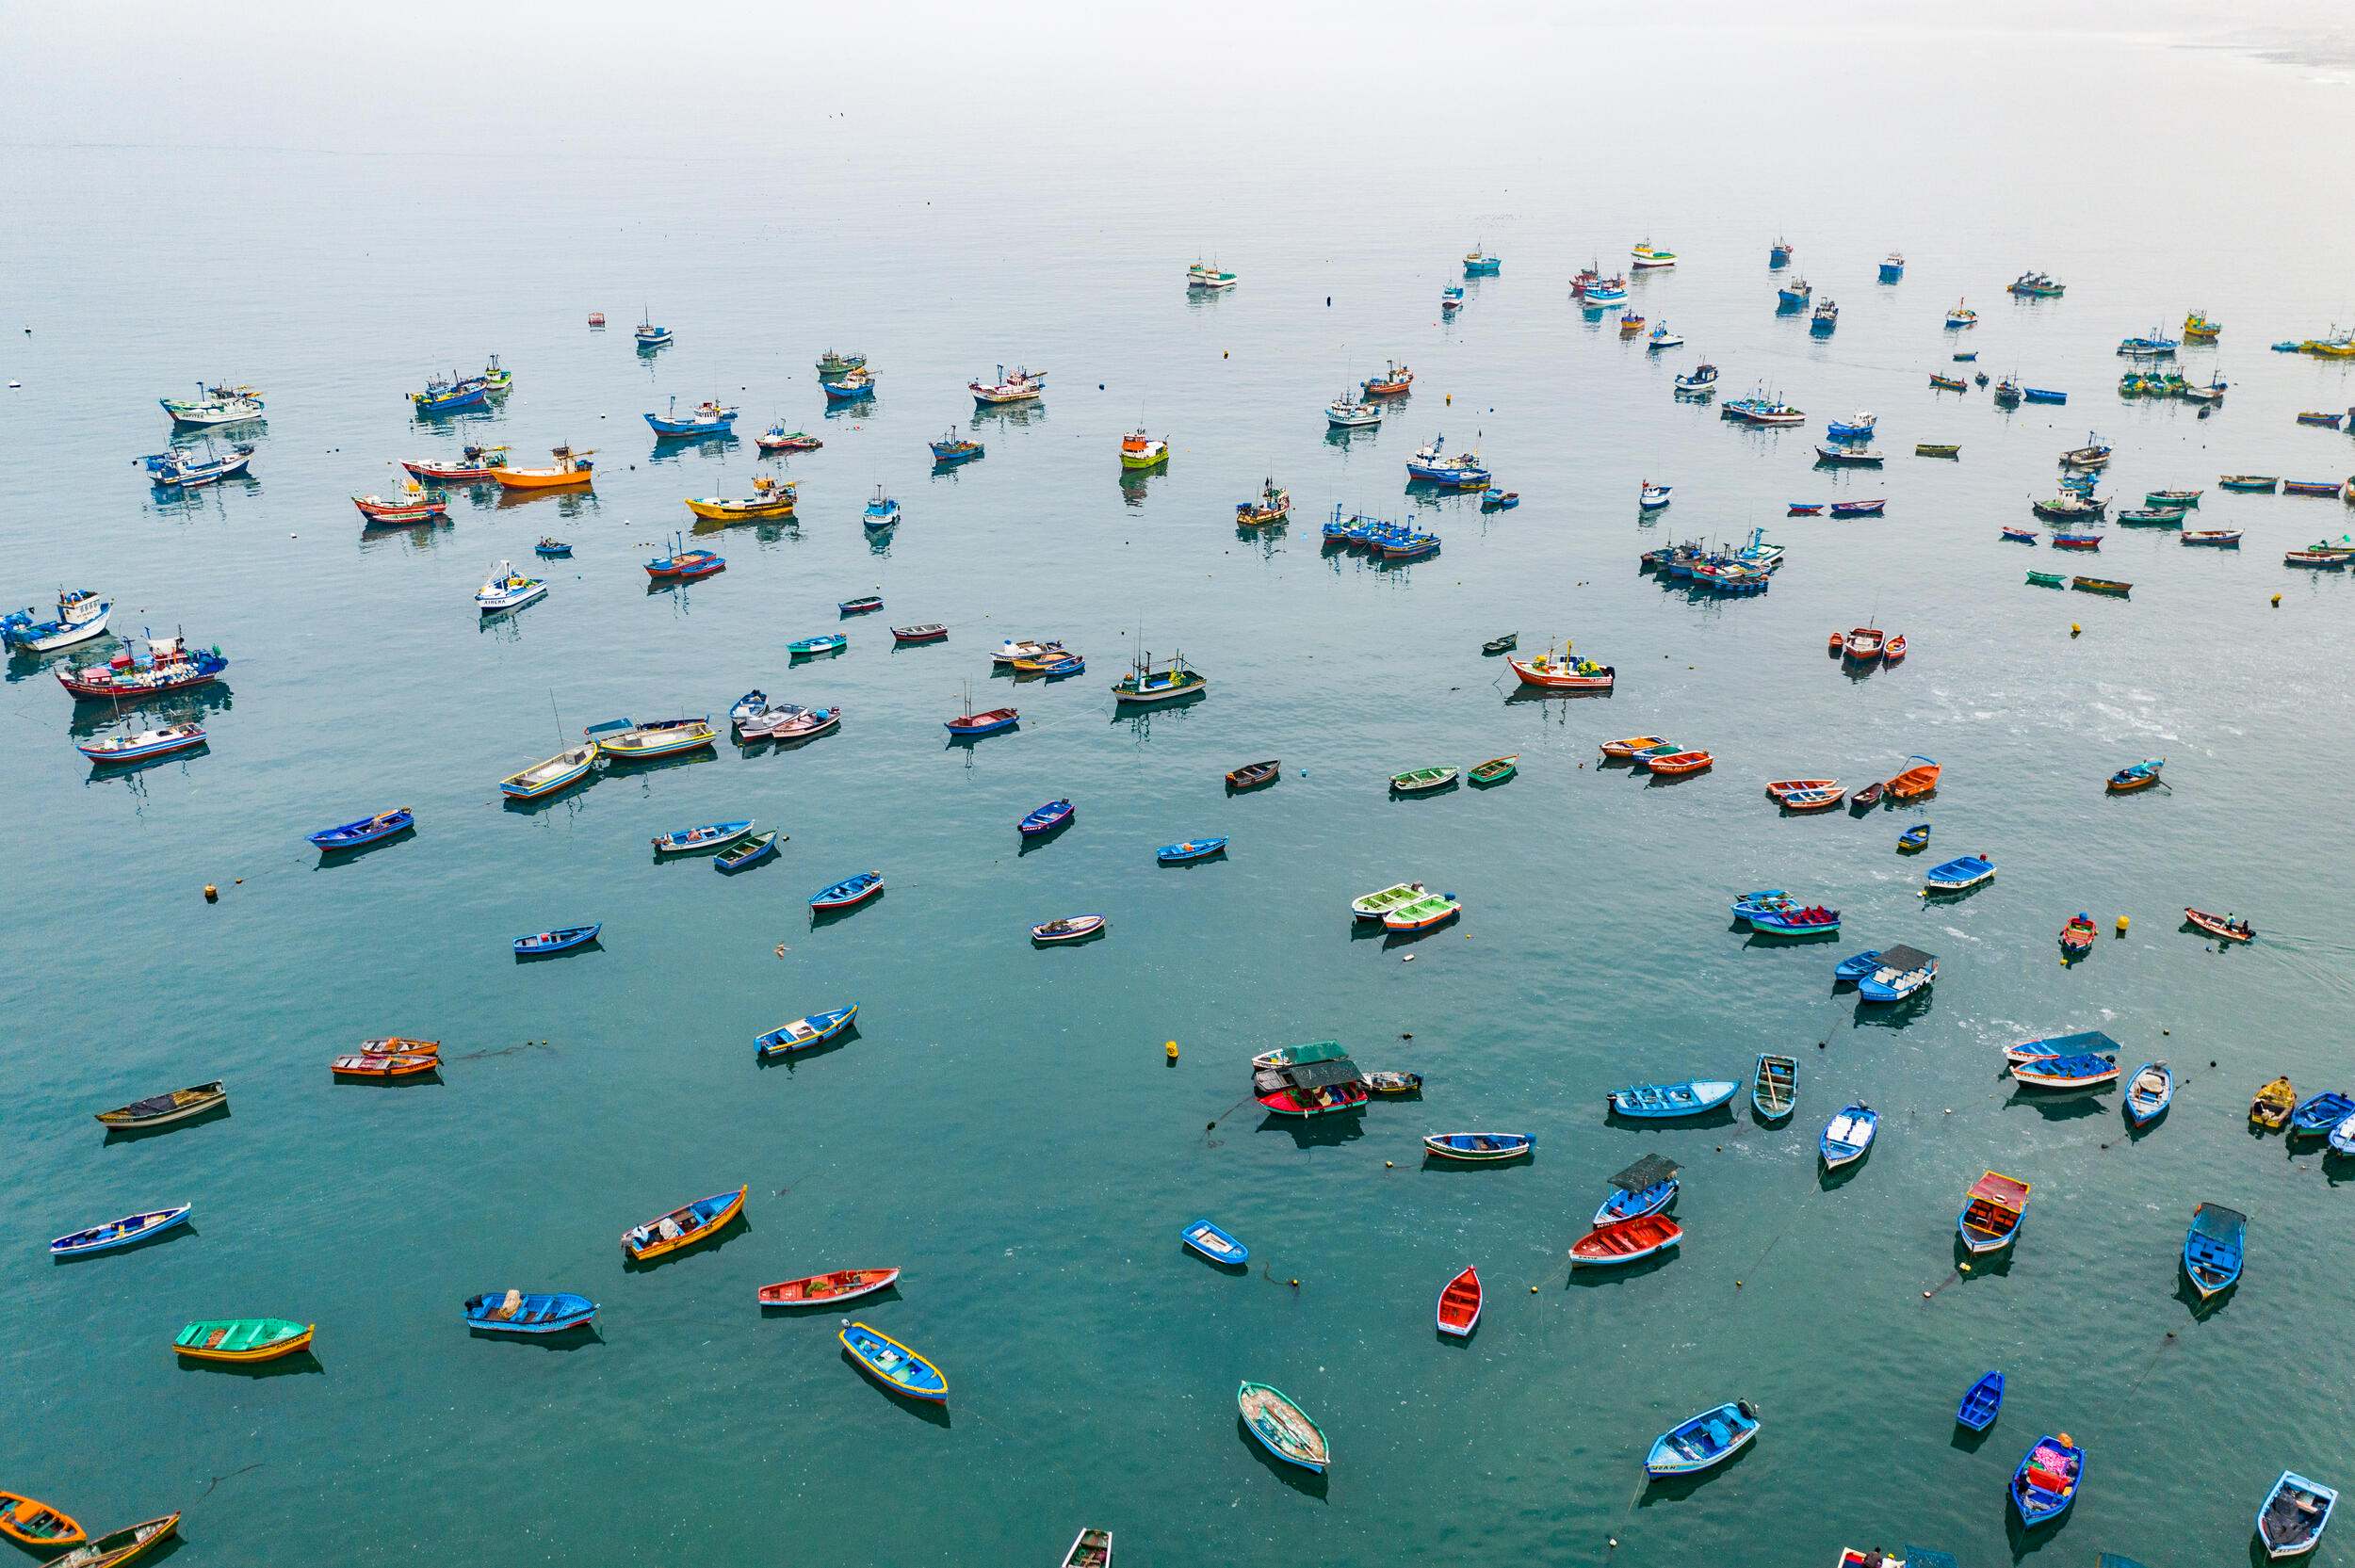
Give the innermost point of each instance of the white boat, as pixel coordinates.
(546, 778)
(214, 405)
(1022, 648)
(1351, 412)
(1848, 1136)
(507, 589)
(1655, 495)
(881, 512)
(81, 615)
(146, 743)
(1663, 338)
(1207, 275)
(1024, 386)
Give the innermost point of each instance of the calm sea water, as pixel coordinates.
(1006, 1126)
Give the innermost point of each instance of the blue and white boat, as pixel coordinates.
(1980, 1402)
(882, 511)
(81, 615)
(2317, 1114)
(1794, 295)
(849, 891)
(1765, 900)
(2212, 1249)
(143, 744)
(711, 836)
(1054, 813)
(1893, 268)
(1478, 264)
(2151, 347)
(2149, 1093)
(893, 1364)
(1703, 379)
(649, 335)
(368, 830)
(527, 1312)
(1605, 292)
(215, 405)
(1856, 426)
(120, 1233)
(1647, 1186)
(1848, 1136)
(2082, 1071)
(2045, 1485)
(1189, 851)
(1461, 472)
(1961, 873)
(1779, 253)
(1704, 1442)
(1214, 1244)
(562, 939)
(184, 471)
(747, 852)
(704, 419)
(750, 706)
(849, 388)
(1853, 969)
(1663, 1101)
(1902, 972)
(1452, 298)
(802, 1033)
(2291, 1520)
(1827, 318)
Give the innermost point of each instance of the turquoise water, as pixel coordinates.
(1005, 1126)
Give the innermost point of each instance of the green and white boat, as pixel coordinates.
(1422, 781)
(1494, 771)
(2047, 579)
(1374, 906)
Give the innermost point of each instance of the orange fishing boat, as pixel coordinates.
(1678, 762)
(572, 468)
(1916, 781)
(1806, 794)
(1632, 744)
(1563, 673)
(2221, 926)
(1391, 383)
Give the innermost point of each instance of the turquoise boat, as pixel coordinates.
(1663, 1101)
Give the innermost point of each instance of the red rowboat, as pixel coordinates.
(929, 632)
(1894, 649)
(415, 507)
(2217, 925)
(1865, 643)
(2076, 937)
(1625, 1241)
(826, 1289)
(1677, 763)
(1459, 1304)
(1805, 794)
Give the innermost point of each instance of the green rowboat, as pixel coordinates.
(1374, 906)
(2101, 585)
(2154, 517)
(1494, 771)
(2176, 498)
(811, 645)
(1937, 449)
(2256, 483)
(2047, 579)
(1422, 781)
(242, 1339)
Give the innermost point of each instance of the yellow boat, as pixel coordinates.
(2198, 328)
(1139, 450)
(683, 1227)
(113, 1551)
(769, 498)
(2271, 1108)
(243, 1339)
(1273, 505)
(572, 468)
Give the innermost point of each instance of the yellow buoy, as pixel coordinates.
(212, 894)
(2075, 630)
(2277, 601)
(1451, 399)
(2121, 925)
(1170, 1050)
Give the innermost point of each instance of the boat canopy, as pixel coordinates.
(2219, 1222)
(1923, 1557)
(1905, 958)
(2091, 1041)
(1651, 1170)
(1305, 1075)
(2001, 1190)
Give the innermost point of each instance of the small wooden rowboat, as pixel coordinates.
(1665, 1101)
(1625, 1241)
(1914, 839)
(711, 836)
(120, 1233)
(557, 940)
(1070, 928)
(242, 1339)
(2273, 1105)
(520, 1311)
(893, 1364)
(1636, 745)
(29, 1521)
(1678, 764)
(1392, 1083)
(750, 851)
(1422, 781)
(2082, 1070)
(1215, 1244)
(1478, 1146)
(931, 631)
(2076, 936)
(1091, 1549)
(1252, 775)
(1893, 651)
(1505, 645)
(2110, 585)
(2222, 927)
(1190, 850)
(2141, 775)
(350, 835)
(123, 1545)
(2149, 1093)
(1980, 1402)
(847, 892)
(1704, 1442)
(1494, 771)
(1282, 1428)
(843, 1285)
(1459, 1304)
(1432, 909)
(1374, 906)
(378, 1058)
(992, 722)
(162, 1111)
(1916, 781)
(802, 1033)
(1806, 794)
(1991, 1213)
(1774, 1087)
(683, 1227)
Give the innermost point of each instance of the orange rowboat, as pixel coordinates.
(1916, 781)
(1677, 763)
(378, 1065)
(843, 1285)
(1459, 1304)
(1863, 644)
(1806, 794)
(1632, 744)
(29, 1521)
(2221, 926)
(572, 468)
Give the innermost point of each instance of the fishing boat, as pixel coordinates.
(567, 468)
(1461, 472)
(112, 750)
(162, 1111)
(1625, 1241)
(2198, 328)
(1848, 1136)
(1980, 1402)
(2036, 286)
(1702, 378)
(1282, 1428)
(1762, 408)
(2095, 453)
(2079, 1070)
(790, 721)
(2076, 935)
(771, 497)
(411, 505)
(1479, 1147)
(1903, 971)
(449, 396)
(1024, 386)
(2149, 1093)
(2220, 539)
(649, 335)
(1208, 275)
(507, 588)
(368, 830)
(1826, 318)
(214, 405)
(567, 767)
(1992, 1212)
(848, 892)
(1667, 1101)
(809, 647)
(1494, 771)
(893, 1364)
(242, 1340)
(81, 617)
(562, 939)
(2141, 775)
(2223, 927)
(1350, 412)
(1774, 1087)
(1794, 295)
(833, 366)
(2311, 487)
(1647, 257)
(123, 1547)
(386, 1059)
(842, 1285)
(1145, 682)
(1089, 1548)
(1675, 765)
(1707, 1440)
(2271, 1108)
(1459, 1311)
(1779, 254)
(1392, 1084)
(626, 740)
(1914, 839)
(1190, 850)
(747, 852)
(803, 1033)
(33, 1523)
(2148, 347)
(2046, 1482)
(1272, 504)
(1863, 643)
(711, 836)
(930, 631)
(1422, 781)
(551, 549)
(1549, 672)
(1960, 316)
(2314, 416)
(1948, 383)
(952, 449)
(683, 1227)
(514, 1311)
(1478, 264)
(1315, 1079)
(185, 471)
(120, 1233)
(2291, 1520)
(1603, 292)
(1661, 337)
(972, 725)
(1858, 508)
(684, 565)
(1418, 915)
(776, 438)
(1960, 875)
(850, 387)
(1072, 928)
(1141, 451)
(1652, 497)
(2315, 559)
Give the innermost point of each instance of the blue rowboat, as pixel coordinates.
(849, 891)
(1662, 1100)
(1054, 813)
(1704, 1442)
(558, 941)
(1959, 874)
(1902, 972)
(517, 1312)
(893, 1364)
(1980, 1402)
(2291, 1520)
(1918, 836)
(996, 721)
(2212, 1249)
(1853, 969)
(1214, 1244)
(118, 1233)
(2083, 1070)
(2042, 395)
(1813, 920)
(2149, 1093)
(1282, 1428)
(1477, 1146)
(366, 830)
(711, 836)
(750, 851)
(1848, 1136)
(1191, 849)
(2343, 1138)
(1647, 1186)
(802, 1033)
(1763, 900)
(2045, 1485)
(552, 549)
(2315, 1116)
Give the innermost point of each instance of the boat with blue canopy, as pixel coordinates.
(81, 615)
(1202, 1237)
(1647, 1186)
(368, 830)
(1980, 1402)
(2045, 1485)
(893, 1364)
(803, 1033)
(1663, 1101)
(120, 1233)
(1704, 1442)
(562, 939)
(2212, 1249)
(523, 1312)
